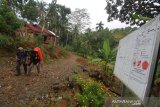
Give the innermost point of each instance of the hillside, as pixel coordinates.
(50, 85)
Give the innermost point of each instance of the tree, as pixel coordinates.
(42, 11)
(30, 11)
(52, 16)
(17, 6)
(99, 26)
(79, 19)
(118, 34)
(58, 21)
(8, 20)
(63, 12)
(130, 11)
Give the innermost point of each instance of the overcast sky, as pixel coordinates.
(95, 9)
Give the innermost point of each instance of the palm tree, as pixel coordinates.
(42, 11)
(52, 16)
(57, 17)
(99, 26)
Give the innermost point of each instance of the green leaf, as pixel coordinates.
(144, 18)
(106, 48)
(137, 16)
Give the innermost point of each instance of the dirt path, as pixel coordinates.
(20, 89)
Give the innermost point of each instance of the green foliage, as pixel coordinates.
(57, 21)
(106, 48)
(158, 69)
(8, 20)
(92, 93)
(45, 53)
(30, 11)
(134, 12)
(97, 61)
(42, 11)
(118, 34)
(140, 17)
(91, 42)
(68, 48)
(39, 40)
(64, 52)
(107, 59)
(24, 41)
(7, 41)
(51, 51)
(51, 46)
(110, 61)
(4, 40)
(99, 26)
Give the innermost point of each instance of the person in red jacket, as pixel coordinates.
(38, 50)
(34, 60)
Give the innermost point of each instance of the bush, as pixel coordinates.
(64, 52)
(25, 42)
(39, 40)
(4, 40)
(92, 93)
(46, 56)
(7, 41)
(51, 51)
(69, 48)
(51, 46)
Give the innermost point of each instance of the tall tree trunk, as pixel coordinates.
(67, 40)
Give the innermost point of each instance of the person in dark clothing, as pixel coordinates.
(21, 58)
(34, 60)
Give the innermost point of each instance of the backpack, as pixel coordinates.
(39, 53)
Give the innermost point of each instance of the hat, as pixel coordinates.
(20, 48)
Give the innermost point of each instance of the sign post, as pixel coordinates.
(154, 76)
(123, 89)
(136, 58)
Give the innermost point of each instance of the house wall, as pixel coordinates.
(28, 31)
(49, 39)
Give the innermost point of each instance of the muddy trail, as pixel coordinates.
(52, 87)
(16, 90)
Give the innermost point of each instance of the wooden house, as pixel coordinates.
(35, 30)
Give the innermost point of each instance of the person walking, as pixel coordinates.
(34, 60)
(20, 59)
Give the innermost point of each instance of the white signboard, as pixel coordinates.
(136, 58)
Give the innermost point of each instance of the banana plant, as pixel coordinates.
(109, 55)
